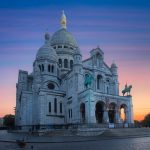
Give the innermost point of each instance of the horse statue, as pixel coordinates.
(127, 90)
(88, 80)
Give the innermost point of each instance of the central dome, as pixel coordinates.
(63, 37)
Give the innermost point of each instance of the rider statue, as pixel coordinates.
(127, 90)
(88, 80)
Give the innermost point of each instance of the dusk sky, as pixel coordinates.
(120, 27)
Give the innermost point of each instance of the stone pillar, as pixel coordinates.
(45, 66)
(117, 116)
(131, 111)
(105, 116)
(125, 113)
(90, 107)
(68, 64)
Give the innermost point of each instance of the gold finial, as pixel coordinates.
(63, 21)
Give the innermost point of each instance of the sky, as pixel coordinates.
(120, 27)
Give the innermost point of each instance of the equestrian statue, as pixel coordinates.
(88, 80)
(127, 89)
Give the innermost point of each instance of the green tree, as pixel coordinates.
(146, 121)
(9, 120)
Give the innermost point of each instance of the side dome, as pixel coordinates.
(113, 65)
(46, 51)
(63, 37)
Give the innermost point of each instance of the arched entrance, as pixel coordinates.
(112, 112)
(99, 112)
(82, 112)
(123, 113)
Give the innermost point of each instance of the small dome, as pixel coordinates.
(113, 65)
(64, 37)
(46, 52)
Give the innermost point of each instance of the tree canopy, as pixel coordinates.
(146, 121)
(9, 120)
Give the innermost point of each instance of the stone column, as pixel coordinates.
(131, 119)
(90, 107)
(117, 116)
(126, 116)
(105, 116)
(45, 66)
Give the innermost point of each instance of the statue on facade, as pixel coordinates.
(127, 90)
(88, 80)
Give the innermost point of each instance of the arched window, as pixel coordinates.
(65, 46)
(107, 90)
(61, 107)
(55, 105)
(71, 64)
(52, 68)
(99, 78)
(108, 85)
(49, 68)
(82, 112)
(49, 106)
(65, 63)
(60, 63)
(59, 46)
(42, 67)
(71, 113)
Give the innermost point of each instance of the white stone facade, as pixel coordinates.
(55, 93)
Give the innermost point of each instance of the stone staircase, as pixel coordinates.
(91, 129)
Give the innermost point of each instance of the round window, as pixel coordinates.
(51, 86)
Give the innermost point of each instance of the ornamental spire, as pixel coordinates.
(63, 21)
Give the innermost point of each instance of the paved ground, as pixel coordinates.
(113, 139)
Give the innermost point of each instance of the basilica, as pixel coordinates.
(64, 90)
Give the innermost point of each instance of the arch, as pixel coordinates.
(107, 90)
(99, 111)
(99, 81)
(123, 112)
(65, 46)
(112, 112)
(98, 59)
(71, 64)
(60, 46)
(60, 62)
(49, 107)
(65, 63)
(49, 66)
(52, 68)
(60, 105)
(82, 112)
(107, 85)
(42, 67)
